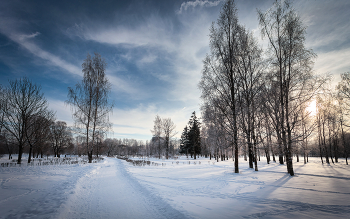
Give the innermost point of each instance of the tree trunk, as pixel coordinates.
(194, 151)
(236, 158)
(336, 149)
(217, 155)
(267, 156)
(324, 145)
(159, 147)
(297, 156)
(90, 156)
(250, 154)
(20, 151)
(255, 154)
(30, 153)
(320, 146)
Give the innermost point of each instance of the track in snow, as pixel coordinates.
(109, 191)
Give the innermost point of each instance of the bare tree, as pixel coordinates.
(111, 145)
(60, 137)
(325, 117)
(271, 109)
(20, 102)
(157, 131)
(8, 143)
(169, 132)
(344, 90)
(307, 126)
(344, 107)
(99, 141)
(249, 71)
(90, 101)
(215, 133)
(291, 63)
(38, 129)
(219, 84)
(342, 115)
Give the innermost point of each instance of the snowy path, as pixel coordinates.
(109, 191)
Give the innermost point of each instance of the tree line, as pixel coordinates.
(255, 99)
(26, 122)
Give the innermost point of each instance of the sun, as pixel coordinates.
(311, 109)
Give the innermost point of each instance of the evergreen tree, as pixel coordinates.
(184, 142)
(194, 135)
(190, 137)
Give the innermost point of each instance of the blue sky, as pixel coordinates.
(154, 50)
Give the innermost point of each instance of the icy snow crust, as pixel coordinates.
(114, 188)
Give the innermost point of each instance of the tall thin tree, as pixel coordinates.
(90, 101)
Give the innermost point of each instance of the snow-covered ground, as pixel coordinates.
(114, 188)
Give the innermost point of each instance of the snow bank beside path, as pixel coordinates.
(208, 189)
(37, 191)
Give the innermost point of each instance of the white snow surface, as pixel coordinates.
(182, 188)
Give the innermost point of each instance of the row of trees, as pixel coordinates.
(331, 121)
(256, 100)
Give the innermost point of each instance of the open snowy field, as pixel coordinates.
(114, 188)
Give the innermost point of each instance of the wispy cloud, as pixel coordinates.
(192, 4)
(9, 28)
(334, 62)
(28, 36)
(152, 32)
(153, 42)
(119, 84)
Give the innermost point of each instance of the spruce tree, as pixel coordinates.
(194, 135)
(184, 142)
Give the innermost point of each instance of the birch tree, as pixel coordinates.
(219, 77)
(291, 63)
(90, 101)
(168, 127)
(157, 131)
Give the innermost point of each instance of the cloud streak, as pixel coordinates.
(192, 4)
(9, 28)
(333, 62)
(152, 32)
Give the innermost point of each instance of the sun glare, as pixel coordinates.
(312, 108)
